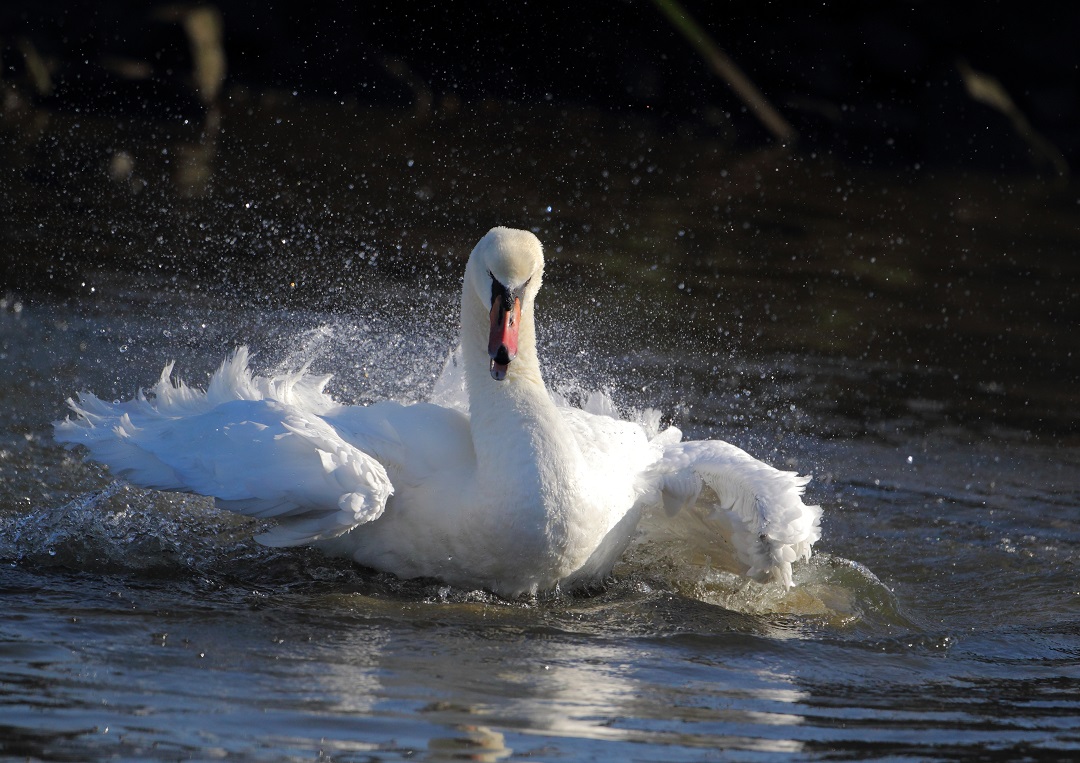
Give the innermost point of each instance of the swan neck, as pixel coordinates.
(514, 420)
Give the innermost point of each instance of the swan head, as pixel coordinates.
(504, 272)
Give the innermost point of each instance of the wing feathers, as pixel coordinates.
(259, 445)
(770, 525)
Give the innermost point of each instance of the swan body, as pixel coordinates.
(500, 487)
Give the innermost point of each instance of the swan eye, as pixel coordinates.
(498, 290)
(508, 294)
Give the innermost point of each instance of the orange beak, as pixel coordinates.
(503, 336)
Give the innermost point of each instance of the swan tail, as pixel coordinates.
(257, 445)
(759, 510)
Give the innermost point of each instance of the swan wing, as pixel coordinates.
(616, 452)
(756, 521)
(258, 445)
(414, 442)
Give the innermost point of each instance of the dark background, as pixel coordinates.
(874, 83)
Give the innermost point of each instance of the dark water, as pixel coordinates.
(907, 338)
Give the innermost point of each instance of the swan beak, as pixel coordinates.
(503, 337)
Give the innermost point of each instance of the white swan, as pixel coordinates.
(511, 492)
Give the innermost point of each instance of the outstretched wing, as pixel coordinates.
(728, 506)
(258, 445)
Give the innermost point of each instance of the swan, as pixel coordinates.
(506, 489)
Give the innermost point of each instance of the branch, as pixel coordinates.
(727, 70)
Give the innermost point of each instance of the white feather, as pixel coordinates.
(495, 484)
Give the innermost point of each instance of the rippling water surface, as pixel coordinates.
(907, 339)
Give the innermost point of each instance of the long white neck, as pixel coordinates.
(517, 431)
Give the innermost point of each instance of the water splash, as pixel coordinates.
(837, 592)
(122, 529)
(311, 345)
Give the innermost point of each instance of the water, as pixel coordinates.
(907, 339)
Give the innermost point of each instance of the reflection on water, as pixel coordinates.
(910, 341)
(477, 743)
